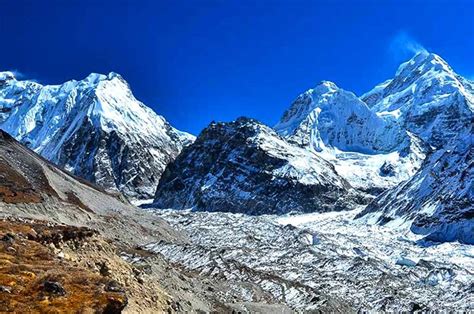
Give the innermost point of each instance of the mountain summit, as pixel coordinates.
(378, 143)
(94, 128)
(427, 98)
(371, 152)
(328, 116)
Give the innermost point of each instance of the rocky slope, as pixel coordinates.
(371, 152)
(32, 187)
(244, 166)
(66, 245)
(66, 233)
(94, 128)
(438, 201)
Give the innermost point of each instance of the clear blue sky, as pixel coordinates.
(194, 61)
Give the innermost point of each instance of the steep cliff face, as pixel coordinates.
(94, 128)
(244, 166)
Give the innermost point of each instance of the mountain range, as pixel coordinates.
(244, 166)
(348, 204)
(331, 150)
(383, 143)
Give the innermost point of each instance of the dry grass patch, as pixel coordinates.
(34, 279)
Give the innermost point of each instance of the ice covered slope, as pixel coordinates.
(427, 98)
(328, 116)
(94, 128)
(373, 153)
(244, 166)
(438, 201)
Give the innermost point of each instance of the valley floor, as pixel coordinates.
(320, 261)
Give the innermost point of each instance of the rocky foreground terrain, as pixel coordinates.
(37, 274)
(69, 246)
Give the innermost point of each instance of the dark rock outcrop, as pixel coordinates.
(244, 166)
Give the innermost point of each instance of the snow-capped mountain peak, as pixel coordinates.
(93, 127)
(361, 143)
(310, 103)
(329, 117)
(424, 61)
(427, 98)
(325, 87)
(6, 76)
(418, 74)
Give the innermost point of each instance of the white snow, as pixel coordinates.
(340, 127)
(389, 243)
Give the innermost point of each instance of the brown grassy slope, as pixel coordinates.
(28, 269)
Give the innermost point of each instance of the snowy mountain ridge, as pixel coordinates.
(94, 128)
(337, 118)
(435, 103)
(427, 98)
(394, 139)
(371, 152)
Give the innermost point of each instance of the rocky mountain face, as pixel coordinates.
(94, 128)
(369, 151)
(439, 199)
(244, 166)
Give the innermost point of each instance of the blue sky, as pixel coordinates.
(195, 61)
